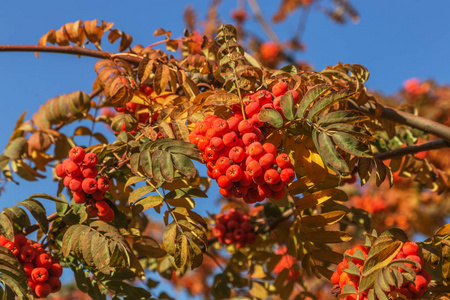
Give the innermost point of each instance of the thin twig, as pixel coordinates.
(408, 119)
(254, 6)
(413, 149)
(35, 226)
(133, 59)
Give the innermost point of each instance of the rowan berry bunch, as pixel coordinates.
(42, 269)
(236, 156)
(234, 228)
(88, 187)
(410, 290)
(140, 110)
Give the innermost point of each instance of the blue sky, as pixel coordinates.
(395, 40)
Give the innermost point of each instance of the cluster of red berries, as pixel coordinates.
(411, 290)
(137, 109)
(81, 176)
(42, 269)
(234, 228)
(235, 157)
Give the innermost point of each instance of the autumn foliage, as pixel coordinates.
(306, 165)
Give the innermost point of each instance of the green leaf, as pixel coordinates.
(146, 163)
(166, 166)
(326, 101)
(364, 169)
(271, 116)
(132, 180)
(149, 251)
(342, 116)
(146, 203)
(367, 281)
(6, 227)
(18, 216)
(381, 258)
(349, 289)
(320, 197)
(329, 154)
(140, 192)
(169, 238)
(48, 197)
(287, 105)
(38, 212)
(310, 96)
(350, 144)
(181, 251)
(195, 254)
(134, 162)
(324, 219)
(326, 237)
(15, 148)
(184, 165)
(186, 192)
(157, 176)
(352, 269)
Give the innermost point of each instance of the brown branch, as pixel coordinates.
(408, 119)
(433, 145)
(35, 226)
(74, 50)
(262, 21)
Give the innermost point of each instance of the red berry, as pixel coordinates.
(287, 175)
(27, 253)
(256, 122)
(131, 107)
(89, 185)
(270, 148)
(335, 278)
(283, 161)
(210, 133)
(109, 217)
(233, 123)
(60, 171)
(254, 168)
(89, 172)
(237, 154)
(264, 191)
(420, 285)
(28, 267)
(75, 184)
(224, 182)
(43, 260)
(219, 230)
(103, 183)
(246, 226)
(271, 176)
(20, 239)
(67, 180)
(245, 126)
(259, 179)
(277, 186)
(204, 126)
(220, 125)
(234, 173)
(222, 164)
(280, 89)
(229, 238)
(90, 159)
(255, 150)
(202, 143)
(55, 270)
(410, 248)
(14, 247)
(77, 154)
(252, 108)
(267, 160)
(254, 196)
(55, 284)
(98, 195)
(216, 143)
(295, 96)
(72, 169)
(230, 139)
(225, 192)
(92, 211)
(39, 275)
(239, 191)
(232, 225)
(42, 290)
(102, 208)
(249, 138)
(3, 240)
(246, 179)
(278, 195)
(211, 154)
(216, 173)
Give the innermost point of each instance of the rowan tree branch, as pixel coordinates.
(408, 119)
(35, 226)
(437, 144)
(262, 21)
(74, 50)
